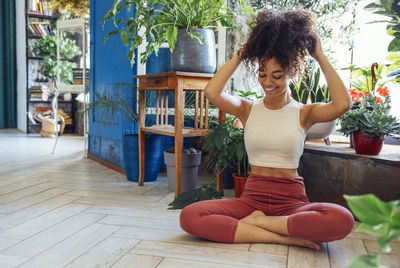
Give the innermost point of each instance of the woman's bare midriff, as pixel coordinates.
(274, 172)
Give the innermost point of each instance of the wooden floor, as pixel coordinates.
(63, 210)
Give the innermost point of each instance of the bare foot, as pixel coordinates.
(300, 242)
(251, 218)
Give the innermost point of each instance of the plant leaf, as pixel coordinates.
(189, 197)
(124, 38)
(369, 209)
(172, 34)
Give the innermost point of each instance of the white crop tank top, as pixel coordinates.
(274, 138)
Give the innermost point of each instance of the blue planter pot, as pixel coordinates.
(153, 153)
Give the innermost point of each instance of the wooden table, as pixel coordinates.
(179, 83)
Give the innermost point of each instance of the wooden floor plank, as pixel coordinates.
(23, 193)
(159, 224)
(32, 200)
(343, 252)
(136, 260)
(41, 208)
(270, 248)
(116, 196)
(20, 185)
(8, 261)
(299, 257)
(6, 242)
(119, 203)
(179, 263)
(207, 254)
(72, 247)
(50, 237)
(38, 224)
(105, 253)
(154, 213)
(170, 236)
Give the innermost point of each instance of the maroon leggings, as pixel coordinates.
(217, 220)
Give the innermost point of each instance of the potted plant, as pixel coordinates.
(111, 102)
(368, 125)
(225, 148)
(368, 121)
(186, 25)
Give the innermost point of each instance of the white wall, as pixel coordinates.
(21, 64)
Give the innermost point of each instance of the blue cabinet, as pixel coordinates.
(109, 65)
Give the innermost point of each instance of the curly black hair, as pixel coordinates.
(285, 35)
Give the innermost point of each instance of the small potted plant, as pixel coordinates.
(368, 121)
(186, 25)
(369, 124)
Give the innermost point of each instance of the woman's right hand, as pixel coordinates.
(318, 52)
(214, 91)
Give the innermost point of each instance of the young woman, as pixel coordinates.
(274, 206)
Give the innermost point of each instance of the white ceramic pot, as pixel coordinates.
(321, 130)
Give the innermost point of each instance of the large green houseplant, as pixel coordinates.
(160, 20)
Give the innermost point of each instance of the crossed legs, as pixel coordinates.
(233, 220)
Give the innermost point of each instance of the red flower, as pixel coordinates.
(378, 100)
(383, 91)
(355, 94)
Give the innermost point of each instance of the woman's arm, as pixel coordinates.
(214, 91)
(341, 101)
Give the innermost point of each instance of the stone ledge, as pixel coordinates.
(390, 154)
(329, 172)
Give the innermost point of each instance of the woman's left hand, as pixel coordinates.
(318, 52)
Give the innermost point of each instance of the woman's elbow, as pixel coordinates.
(343, 107)
(209, 95)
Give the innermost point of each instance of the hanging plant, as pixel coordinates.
(78, 8)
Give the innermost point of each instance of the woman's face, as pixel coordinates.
(272, 77)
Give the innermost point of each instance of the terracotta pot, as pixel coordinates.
(240, 183)
(367, 144)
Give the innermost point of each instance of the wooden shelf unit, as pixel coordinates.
(178, 83)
